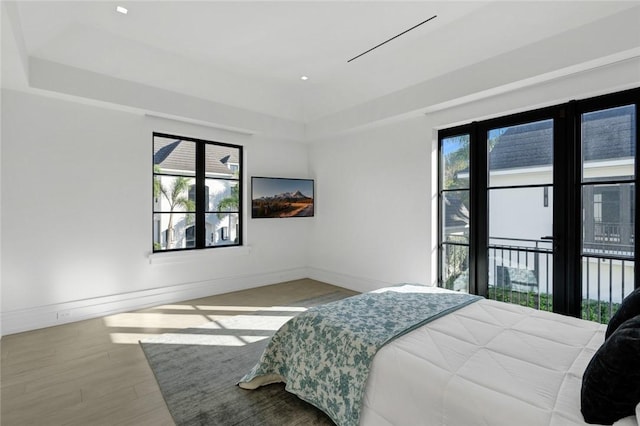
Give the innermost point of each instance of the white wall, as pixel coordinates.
(373, 208)
(76, 206)
(376, 189)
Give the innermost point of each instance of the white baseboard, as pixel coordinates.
(50, 315)
(351, 282)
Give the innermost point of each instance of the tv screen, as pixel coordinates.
(281, 197)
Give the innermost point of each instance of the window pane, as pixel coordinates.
(455, 216)
(521, 155)
(174, 194)
(605, 282)
(174, 156)
(521, 216)
(609, 144)
(222, 161)
(173, 231)
(223, 195)
(222, 229)
(520, 264)
(455, 267)
(608, 219)
(455, 162)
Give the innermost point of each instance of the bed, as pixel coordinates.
(480, 363)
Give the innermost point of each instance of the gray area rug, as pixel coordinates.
(197, 370)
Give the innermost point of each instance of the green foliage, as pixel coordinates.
(531, 299)
(456, 261)
(591, 309)
(176, 196)
(455, 162)
(598, 312)
(157, 185)
(230, 203)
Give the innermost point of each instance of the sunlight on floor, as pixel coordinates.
(155, 320)
(200, 324)
(177, 307)
(229, 308)
(129, 338)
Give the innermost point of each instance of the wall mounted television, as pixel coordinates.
(281, 197)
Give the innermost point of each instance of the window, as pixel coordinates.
(454, 213)
(197, 193)
(574, 252)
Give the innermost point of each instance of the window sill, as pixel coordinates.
(197, 255)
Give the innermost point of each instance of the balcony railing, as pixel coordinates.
(609, 237)
(521, 272)
(606, 280)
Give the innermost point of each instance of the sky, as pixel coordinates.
(267, 187)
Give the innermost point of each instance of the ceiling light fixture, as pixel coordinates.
(394, 37)
(122, 10)
(304, 78)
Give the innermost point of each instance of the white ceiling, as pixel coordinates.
(252, 54)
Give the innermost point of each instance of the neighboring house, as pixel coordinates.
(521, 217)
(521, 207)
(221, 228)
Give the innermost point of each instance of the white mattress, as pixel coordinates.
(489, 363)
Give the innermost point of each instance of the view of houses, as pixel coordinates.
(521, 200)
(174, 194)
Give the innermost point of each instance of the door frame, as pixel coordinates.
(567, 194)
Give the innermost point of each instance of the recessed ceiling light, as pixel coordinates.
(304, 78)
(122, 10)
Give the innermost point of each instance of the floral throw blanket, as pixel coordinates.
(324, 354)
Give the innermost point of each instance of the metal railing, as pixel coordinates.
(455, 266)
(605, 282)
(610, 238)
(521, 271)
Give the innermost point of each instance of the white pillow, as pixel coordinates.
(631, 420)
(626, 421)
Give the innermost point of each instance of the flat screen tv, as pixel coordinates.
(281, 197)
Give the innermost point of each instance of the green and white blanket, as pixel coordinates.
(324, 354)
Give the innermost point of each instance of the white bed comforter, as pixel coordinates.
(489, 363)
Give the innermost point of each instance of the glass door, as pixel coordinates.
(539, 208)
(608, 140)
(520, 203)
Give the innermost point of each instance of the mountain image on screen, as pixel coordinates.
(286, 204)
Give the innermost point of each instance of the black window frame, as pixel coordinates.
(201, 192)
(567, 168)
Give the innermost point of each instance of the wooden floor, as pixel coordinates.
(93, 372)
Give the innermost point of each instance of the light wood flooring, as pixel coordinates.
(94, 372)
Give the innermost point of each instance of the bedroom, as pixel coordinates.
(74, 120)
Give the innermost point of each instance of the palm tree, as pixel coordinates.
(229, 203)
(175, 196)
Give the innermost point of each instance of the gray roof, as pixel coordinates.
(180, 155)
(456, 212)
(527, 145)
(608, 134)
